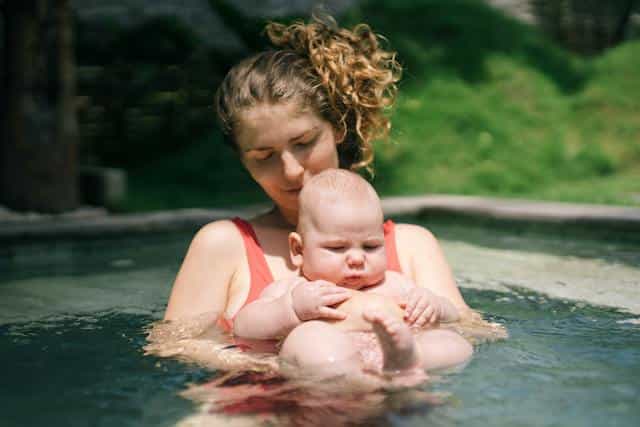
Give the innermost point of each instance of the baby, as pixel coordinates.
(346, 307)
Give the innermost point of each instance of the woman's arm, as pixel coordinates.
(422, 259)
(270, 316)
(203, 282)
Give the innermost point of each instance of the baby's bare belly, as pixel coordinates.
(362, 302)
(360, 331)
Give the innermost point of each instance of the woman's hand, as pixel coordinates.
(314, 300)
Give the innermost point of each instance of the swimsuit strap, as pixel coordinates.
(393, 262)
(260, 274)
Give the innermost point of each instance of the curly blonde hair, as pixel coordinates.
(343, 75)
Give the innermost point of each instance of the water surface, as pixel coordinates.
(73, 318)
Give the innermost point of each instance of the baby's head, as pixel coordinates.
(340, 235)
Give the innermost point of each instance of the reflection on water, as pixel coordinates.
(252, 387)
(254, 383)
(565, 363)
(267, 399)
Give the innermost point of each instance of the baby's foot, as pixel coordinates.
(399, 349)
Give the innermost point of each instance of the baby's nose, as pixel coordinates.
(355, 258)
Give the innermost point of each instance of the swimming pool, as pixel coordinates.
(73, 318)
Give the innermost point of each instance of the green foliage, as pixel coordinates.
(150, 90)
(206, 173)
(487, 106)
(441, 38)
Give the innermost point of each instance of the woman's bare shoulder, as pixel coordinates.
(221, 234)
(414, 236)
(203, 282)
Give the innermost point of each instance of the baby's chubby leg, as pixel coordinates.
(442, 349)
(402, 347)
(325, 348)
(320, 349)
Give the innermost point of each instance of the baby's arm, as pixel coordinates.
(422, 307)
(271, 315)
(285, 304)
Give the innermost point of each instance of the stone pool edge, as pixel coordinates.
(98, 223)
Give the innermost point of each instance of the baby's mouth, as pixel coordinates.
(354, 279)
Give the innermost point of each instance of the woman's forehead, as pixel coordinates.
(270, 124)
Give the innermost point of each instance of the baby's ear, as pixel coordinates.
(295, 249)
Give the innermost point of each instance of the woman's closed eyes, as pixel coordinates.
(264, 155)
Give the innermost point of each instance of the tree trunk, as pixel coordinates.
(39, 129)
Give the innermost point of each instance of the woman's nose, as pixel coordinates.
(292, 168)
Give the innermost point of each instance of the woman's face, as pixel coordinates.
(282, 145)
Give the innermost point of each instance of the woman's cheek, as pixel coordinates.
(323, 156)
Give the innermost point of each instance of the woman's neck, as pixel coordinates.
(279, 218)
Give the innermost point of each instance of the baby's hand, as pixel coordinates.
(422, 307)
(313, 300)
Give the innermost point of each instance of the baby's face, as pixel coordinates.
(345, 246)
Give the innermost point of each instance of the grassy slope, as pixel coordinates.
(487, 106)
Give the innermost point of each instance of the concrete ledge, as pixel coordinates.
(114, 225)
(618, 217)
(99, 224)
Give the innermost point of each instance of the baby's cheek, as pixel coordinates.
(378, 268)
(322, 267)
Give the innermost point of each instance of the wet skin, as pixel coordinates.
(365, 302)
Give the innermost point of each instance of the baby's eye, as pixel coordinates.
(336, 248)
(372, 247)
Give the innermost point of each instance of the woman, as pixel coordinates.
(315, 103)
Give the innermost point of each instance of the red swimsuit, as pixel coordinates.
(259, 271)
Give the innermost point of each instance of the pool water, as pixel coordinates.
(73, 317)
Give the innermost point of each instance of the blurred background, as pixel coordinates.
(536, 99)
